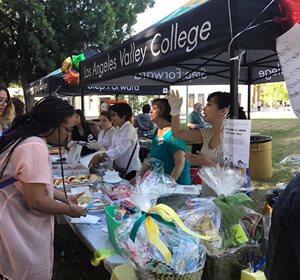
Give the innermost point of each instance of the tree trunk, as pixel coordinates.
(29, 100)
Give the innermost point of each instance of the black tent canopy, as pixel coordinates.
(257, 67)
(205, 43)
(54, 83)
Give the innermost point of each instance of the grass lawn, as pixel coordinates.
(286, 141)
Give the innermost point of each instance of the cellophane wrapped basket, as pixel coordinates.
(156, 242)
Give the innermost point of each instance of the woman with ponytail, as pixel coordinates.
(28, 200)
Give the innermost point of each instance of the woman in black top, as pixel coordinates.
(84, 131)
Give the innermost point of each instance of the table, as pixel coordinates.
(96, 238)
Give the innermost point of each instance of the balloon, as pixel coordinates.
(291, 12)
(66, 66)
(72, 77)
(76, 59)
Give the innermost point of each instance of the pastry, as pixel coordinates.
(57, 182)
(75, 181)
(94, 177)
(84, 199)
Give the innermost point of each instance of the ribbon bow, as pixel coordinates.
(166, 215)
(232, 211)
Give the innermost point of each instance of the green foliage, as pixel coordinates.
(35, 36)
(137, 103)
(274, 92)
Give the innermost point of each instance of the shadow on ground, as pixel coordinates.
(72, 259)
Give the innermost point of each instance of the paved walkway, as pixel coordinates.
(270, 113)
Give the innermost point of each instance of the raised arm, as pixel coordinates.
(190, 136)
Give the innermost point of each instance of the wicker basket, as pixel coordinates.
(229, 266)
(175, 201)
(143, 274)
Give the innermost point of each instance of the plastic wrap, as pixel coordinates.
(225, 180)
(239, 222)
(203, 216)
(155, 239)
(291, 164)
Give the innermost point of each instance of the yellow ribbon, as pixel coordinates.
(169, 215)
(100, 255)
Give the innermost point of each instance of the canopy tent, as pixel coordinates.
(200, 41)
(54, 83)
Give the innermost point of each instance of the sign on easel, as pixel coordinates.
(236, 142)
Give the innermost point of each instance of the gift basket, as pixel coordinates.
(234, 227)
(171, 194)
(155, 240)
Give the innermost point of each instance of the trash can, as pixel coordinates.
(261, 157)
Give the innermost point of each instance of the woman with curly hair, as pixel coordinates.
(7, 110)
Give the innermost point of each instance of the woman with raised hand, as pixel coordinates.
(28, 200)
(7, 110)
(166, 147)
(214, 113)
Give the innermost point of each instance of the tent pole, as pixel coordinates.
(186, 104)
(249, 101)
(234, 80)
(82, 99)
(249, 91)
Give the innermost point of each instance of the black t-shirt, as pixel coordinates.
(86, 137)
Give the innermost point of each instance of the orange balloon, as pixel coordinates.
(72, 78)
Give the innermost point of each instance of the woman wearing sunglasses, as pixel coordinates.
(7, 110)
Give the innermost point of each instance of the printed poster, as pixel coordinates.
(236, 142)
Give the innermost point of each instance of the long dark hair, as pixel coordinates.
(44, 117)
(84, 123)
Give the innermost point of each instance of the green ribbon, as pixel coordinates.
(142, 219)
(232, 212)
(76, 59)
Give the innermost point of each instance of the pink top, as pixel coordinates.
(26, 236)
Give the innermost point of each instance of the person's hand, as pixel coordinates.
(72, 198)
(192, 126)
(94, 145)
(71, 144)
(76, 211)
(98, 158)
(175, 102)
(200, 159)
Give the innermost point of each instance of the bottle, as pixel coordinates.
(267, 215)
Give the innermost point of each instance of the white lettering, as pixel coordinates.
(153, 43)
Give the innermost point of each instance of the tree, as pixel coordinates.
(36, 35)
(274, 92)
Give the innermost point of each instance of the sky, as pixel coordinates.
(161, 9)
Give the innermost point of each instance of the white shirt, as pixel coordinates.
(124, 142)
(106, 139)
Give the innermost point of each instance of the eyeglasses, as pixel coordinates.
(2, 101)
